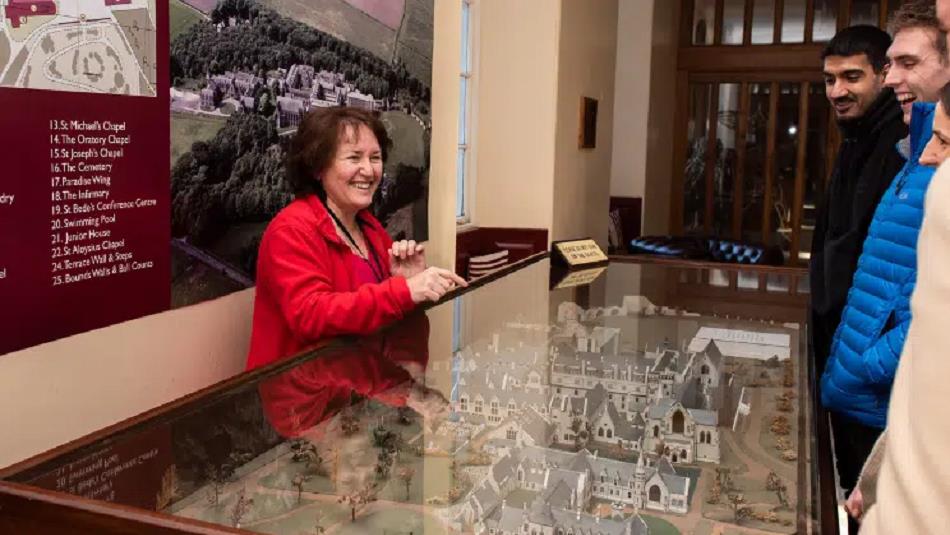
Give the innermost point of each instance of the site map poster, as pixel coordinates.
(144, 143)
(84, 200)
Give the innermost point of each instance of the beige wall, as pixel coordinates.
(587, 50)
(660, 124)
(631, 106)
(445, 104)
(60, 391)
(440, 250)
(516, 79)
(645, 86)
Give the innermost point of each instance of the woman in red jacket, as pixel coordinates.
(326, 266)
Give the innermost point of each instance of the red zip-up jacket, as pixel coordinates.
(307, 292)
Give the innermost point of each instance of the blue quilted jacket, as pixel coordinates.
(867, 345)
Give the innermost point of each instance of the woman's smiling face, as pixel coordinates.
(355, 171)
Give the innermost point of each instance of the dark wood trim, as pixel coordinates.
(711, 136)
(753, 77)
(805, 431)
(793, 271)
(844, 14)
(779, 13)
(42, 512)
(882, 14)
(738, 184)
(717, 35)
(769, 169)
(686, 22)
(680, 148)
(519, 242)
(749, 58)
(799, 173)
(747, 23)
(809, 20)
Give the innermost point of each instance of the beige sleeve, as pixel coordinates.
(867, 481)
(913, 490)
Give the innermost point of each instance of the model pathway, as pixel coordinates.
(752, 446)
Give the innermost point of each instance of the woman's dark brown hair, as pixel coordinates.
(315, 144)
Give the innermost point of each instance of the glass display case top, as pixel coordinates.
(538, 403)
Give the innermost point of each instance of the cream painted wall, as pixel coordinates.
(515, 112)
(586, 64)
(631, 104)
(60, 391)
(440, 250)
(645, 105)
(660, 124)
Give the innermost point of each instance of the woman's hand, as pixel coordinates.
(407, 258)
(433, 283)
(855, 504)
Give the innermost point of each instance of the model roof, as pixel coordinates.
(622, 427)
(704, 417)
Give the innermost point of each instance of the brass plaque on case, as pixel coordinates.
(577, 253)
(581, 277)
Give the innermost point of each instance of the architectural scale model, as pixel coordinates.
(587, 426)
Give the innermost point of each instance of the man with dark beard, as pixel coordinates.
(871, 125)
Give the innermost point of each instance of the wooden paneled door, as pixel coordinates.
(755, 136)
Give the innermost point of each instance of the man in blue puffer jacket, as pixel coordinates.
(856, 383)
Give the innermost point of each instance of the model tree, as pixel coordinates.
(740, 510)
(788, 375)
(724, 479)
(240, 508)
(715, 493)
(781, 493)
(405, 475)
(298, 482)
(780, 426)
(581, 433)
(219, 476)
(356, 501)
(404, 415)
(784, 402)
(384, 438)
(349, 424)
(318, 528)
(304, 451)
(384, 463)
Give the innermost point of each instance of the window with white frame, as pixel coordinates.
(463, 194)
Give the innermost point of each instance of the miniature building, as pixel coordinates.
(568, 481)
(542, 518)
(661, 407)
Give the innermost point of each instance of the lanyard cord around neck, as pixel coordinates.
(375, 265)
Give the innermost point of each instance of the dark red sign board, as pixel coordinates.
(84, 183)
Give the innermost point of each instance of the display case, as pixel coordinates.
(633, 398)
